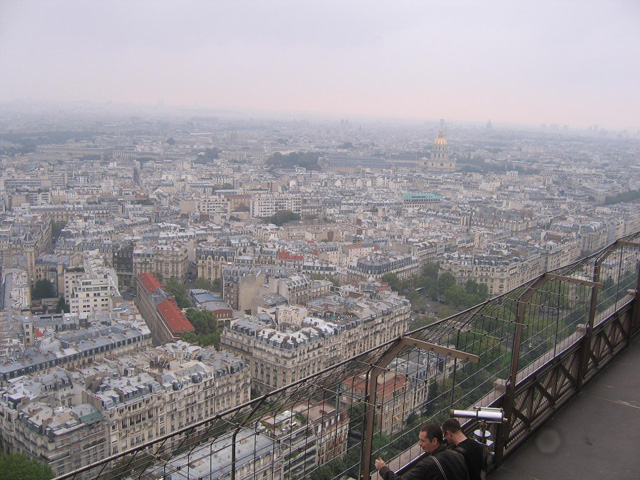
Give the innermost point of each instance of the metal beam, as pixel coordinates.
(577, 281)
(614, 247)
(626, 243)
(433, 347)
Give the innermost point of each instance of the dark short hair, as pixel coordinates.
(433, 431)
(451, 425)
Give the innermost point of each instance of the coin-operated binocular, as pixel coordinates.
(485, 415)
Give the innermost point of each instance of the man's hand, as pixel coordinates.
(380, 463)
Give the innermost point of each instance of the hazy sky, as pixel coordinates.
(559, 61)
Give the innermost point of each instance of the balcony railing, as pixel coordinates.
(527, 351)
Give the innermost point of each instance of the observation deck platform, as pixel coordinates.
(594, 436)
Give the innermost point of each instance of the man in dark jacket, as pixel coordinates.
(471, 450)
(440, 464)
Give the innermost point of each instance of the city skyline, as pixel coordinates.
(535, 62)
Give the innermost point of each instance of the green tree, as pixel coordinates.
(628, 196)
(421, 321)
(471, 287)
(208, 156)
(445, 281)
(445, 311)
(17, 466)
(394, 282)
(483, 291)
(418, 302)
(428, 280)
(56, 228)
(356, 416)
(430, 269)
(171, 141)
(42, 289)
(206, 327)
(455, 296)
(432, 395)
(282, 217)
(179, 292)
(204, 284)
(308, 160)
(204, 321)
(62, 306)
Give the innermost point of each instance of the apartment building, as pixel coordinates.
(376, 266)
(292, 348)
(256, 456)
(72, 340)
(22, 239)
(331, 427)
(501, 272)
(213, 205)
(298, 288)
(66, 212)
(266, 205)
(94, 289)
(211, 258)
(153, 393)
(240, 285)
(310, 434)
(71, 420)
(44, 418)
(169, 260)
(52, 267)
(394, 399)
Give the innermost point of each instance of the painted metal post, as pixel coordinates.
(583, 365)
(503, 429)
(635, 319)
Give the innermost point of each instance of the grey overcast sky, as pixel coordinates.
(538, 61)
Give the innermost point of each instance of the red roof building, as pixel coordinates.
(164, 318)
(174, 318)
(290, 256)
(150, 282)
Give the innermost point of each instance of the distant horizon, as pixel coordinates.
(277, 115)
(570, 63)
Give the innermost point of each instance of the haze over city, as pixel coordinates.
(303, 240)
(573, 63)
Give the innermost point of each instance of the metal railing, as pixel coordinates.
(527, 351)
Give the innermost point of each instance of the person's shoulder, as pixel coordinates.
(470, 443)
(451, 453)
(427, 462)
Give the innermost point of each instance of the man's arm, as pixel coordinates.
(416, 473)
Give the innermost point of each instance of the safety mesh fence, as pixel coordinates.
(315, 428)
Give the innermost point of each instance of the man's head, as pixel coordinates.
(430, 437)
(452, 431)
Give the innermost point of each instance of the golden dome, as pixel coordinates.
(440, 141)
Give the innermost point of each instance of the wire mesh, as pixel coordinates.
(314, 428)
